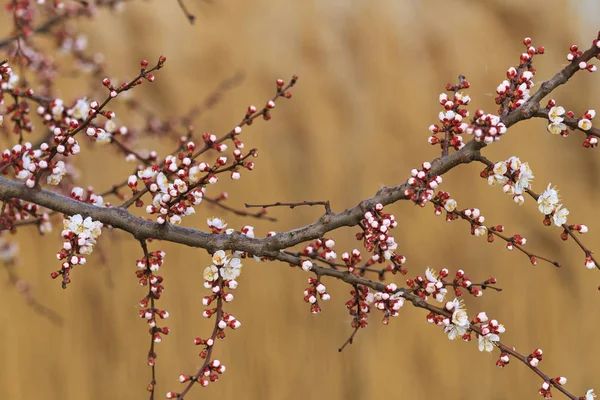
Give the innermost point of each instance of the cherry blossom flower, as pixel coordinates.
(522, 182)
(435, 286)
(57, 174)
(498, 176)
(590, 395)
(487, 342)
(555, 114)
(460, 319)
(211, 273)
(584, 124)
(80, 110)
(147, 173)
(556, 125)
(231, 269)
(219, 258)
(216, 224)
(480, 231)
(560, 215)
(548, 200)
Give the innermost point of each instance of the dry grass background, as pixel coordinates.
(370, 74)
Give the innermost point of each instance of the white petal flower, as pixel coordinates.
(455, 331)
(163, 182)
(146, 173)
(560, 215)
(216, 223)
(74, 224)
(487, 342)
(194, 174)
(57, 174)
(481, 231)
(555, 113)
(514, 163)
(450, 205)
(584, 124)
(431, 275)
(556, 128)
(548, 200)
(80, 109)
(219, 258)
(232, 269)
(590, 395)
(459, 316)
(524, 178)
(211, 273)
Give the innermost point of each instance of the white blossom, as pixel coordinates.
(487, 342)
(548, 200)
(560, 215)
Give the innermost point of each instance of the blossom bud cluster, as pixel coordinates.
(452, 125)
(219, 277)
(147, 276)
(351, 259)
(486, 128)
(178, 184)
(80, 237)
(16, 210)
(430, 285)
(389, 302)
(515, 90)
(490, 334)
(514, 176)
(315, 291)
(88, 196)
(28, 164)
(442, 201)
(209, 374)
(422, 187)
(377, 239)
(359, 305)
(321, 248)
(575, 53)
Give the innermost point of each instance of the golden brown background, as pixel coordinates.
(370, 75)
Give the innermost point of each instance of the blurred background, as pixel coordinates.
(370, 75)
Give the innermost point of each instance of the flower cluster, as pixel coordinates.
(220, 279)
(514, 176)
(422, 187)
(575, 53)
(148, 267)
(228, 268)
(88, 196)
(486, 128)
(320, 248)
(452, 124)
(458, 325)
(376, 237)
(28, 163)
(430, 285)
(17, 210)
(489, 332)
(514, 92)
(210, 373)
(359, 305)
(80, 237)
(548, 204)
(315, 291)
(388, 302)
(178, 184)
